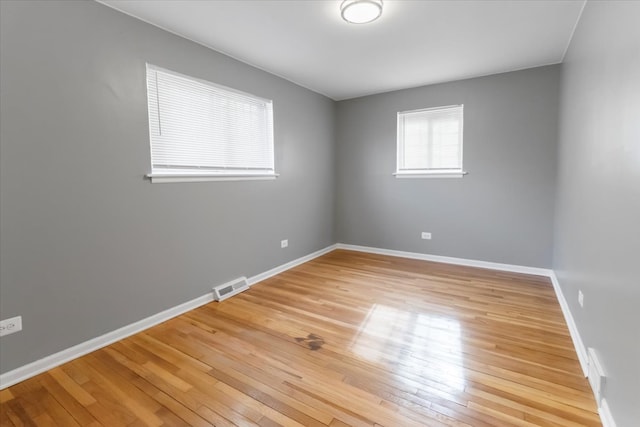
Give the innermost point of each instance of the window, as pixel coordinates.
(200, 131)
(430, 143)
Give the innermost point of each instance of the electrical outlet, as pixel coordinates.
(10, 326)
(284, 243)
(580, 298)
(426, 236)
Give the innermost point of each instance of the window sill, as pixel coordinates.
(459, 174)
(158, 178)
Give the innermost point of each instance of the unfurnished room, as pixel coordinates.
(331, 213)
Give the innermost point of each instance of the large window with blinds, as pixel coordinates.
(203, 131)
(430, 142)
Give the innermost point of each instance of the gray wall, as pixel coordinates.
(88, 245)
(597, 234)
(501, 212)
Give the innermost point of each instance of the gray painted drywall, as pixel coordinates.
(502, 211)
(88, 245)
(597, 233)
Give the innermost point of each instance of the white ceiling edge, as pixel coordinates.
(573, 32)
(102, 2)
(439, 82)
(366, 94)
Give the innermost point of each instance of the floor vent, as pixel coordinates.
(229, 289)
(596, 375)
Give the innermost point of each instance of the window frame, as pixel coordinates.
(178, 175)
(428, 173)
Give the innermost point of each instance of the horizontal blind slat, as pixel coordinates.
(195, 125)
(430, 139)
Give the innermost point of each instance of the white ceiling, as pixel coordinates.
(414, 43)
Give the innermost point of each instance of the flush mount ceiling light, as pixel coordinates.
(361, 11)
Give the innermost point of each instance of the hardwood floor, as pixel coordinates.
(348, 339)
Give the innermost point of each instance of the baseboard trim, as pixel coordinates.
(34, 368)
(49, 362)
(581, 350)
(289, 265)
(604, 411)
(605, 414)
(571, 324)
(449, 260)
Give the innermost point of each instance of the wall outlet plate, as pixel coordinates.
(425, 235)
(580, 298)
(10, 326)
(284, 243)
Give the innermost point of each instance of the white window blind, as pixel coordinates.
(430, 141)
(198, 128)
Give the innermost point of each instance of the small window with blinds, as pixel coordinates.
(430, 143)
(201, 131)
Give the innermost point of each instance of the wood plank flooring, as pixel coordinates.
(348, 339)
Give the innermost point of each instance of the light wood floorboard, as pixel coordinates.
(348, 339)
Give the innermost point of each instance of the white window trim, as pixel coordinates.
(157, 178)
(195, 176)
(429, 173)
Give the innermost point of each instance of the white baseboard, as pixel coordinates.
(34, 368)
(284, 267)
(450, 260)
(27, 371)
(573, 330)
(581, 350)
(605, 414)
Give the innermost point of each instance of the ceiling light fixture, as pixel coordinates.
(361, 11)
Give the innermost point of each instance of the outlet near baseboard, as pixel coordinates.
(581, 298)
(10, 326)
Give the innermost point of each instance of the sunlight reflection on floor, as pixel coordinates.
(420, 345)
